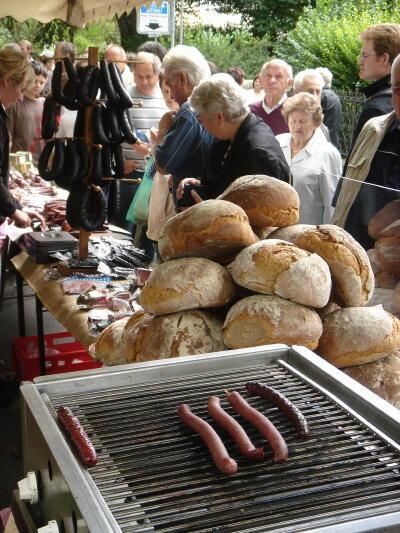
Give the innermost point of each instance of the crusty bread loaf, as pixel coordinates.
(374, 260)
(259, 320)
(383, 218)
(329, 308)
(108, 346)
(388, 249)
(267, 201)
(356, 335)
(381, 377)
(353, 279)
(176, 334)
(278, 267)
(385, 298)
(214, 229)
(290, 233)
(188, 283)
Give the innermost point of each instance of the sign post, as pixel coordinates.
(154, 20)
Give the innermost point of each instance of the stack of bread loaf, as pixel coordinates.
(220, 287)
(384, 229)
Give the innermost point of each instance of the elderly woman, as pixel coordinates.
(243, 143)
(315, 164)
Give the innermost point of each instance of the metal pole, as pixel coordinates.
(181, 23)
(172, 4)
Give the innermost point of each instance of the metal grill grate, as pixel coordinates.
(156, 475)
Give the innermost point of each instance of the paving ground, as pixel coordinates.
(10, 434)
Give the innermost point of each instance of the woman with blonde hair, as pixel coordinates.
(315, 164)
(15, 73)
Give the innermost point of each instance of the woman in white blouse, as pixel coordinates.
(314, 162)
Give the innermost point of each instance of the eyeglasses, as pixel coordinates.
(363, 57)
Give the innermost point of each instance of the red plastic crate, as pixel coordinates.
(63, 354)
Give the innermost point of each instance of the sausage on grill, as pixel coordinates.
(78, 436)
(234, 429)
(210, 438)
(284, 404)
(262, 423)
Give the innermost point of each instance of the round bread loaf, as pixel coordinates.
(259, 320)
(384, 280)
(290, 233)
(356, 335)
(176, 334)
(353, 279)
(388, 249)
(385, 298)
(374, 260)
(184, 284)
(383, 218)
(214, 229)
(277, 267)
(381, 377)
(267, 201)
(108, 347)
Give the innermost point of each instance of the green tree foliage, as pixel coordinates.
(98, 34)
(328, 36)
(264, 17)
(231, 47)
(41, 35)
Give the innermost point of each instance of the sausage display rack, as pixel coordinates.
(154, 474)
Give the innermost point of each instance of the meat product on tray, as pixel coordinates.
(283, 403)
(78, 436)
(261, 422)
(235, 430)
(210, 438)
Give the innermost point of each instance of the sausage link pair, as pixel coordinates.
(261, 422)
(65, 96)
(49, 118)
(219, 453)
(89, 85)
(51, 171)
(78, 436)
(86, 207)
(283, 403)
(107, 85)
(126, 126)
(124, 98)
(234, 429)
(99, 132)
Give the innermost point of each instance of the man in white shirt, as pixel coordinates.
(276, 80)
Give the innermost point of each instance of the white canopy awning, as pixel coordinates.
(76, 12)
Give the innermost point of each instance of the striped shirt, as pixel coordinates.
(144, 117)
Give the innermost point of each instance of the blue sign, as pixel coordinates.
(154, 19)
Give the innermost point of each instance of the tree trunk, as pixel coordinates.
(130, 39)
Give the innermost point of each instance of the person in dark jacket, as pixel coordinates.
(331, 106)
(380, 46)
(15, 73)
(243, 143)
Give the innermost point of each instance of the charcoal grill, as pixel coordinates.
(154, 474)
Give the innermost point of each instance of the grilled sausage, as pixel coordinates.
(78, 436)
(210, 438)
(283, 403)
(234, 429)
(262, 423)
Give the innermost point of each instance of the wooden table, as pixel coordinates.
(50, 295)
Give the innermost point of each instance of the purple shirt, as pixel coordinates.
(274, 119)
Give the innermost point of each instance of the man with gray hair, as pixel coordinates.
(331, 106)
(183, 142)
(116, 54)
(276, 80)
(310, 81)
(146, 112)
(374, 159)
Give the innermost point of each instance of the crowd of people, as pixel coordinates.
(197, 126)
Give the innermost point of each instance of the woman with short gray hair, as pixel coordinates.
(243, 143)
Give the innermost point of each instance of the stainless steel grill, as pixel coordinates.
(155, 475)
